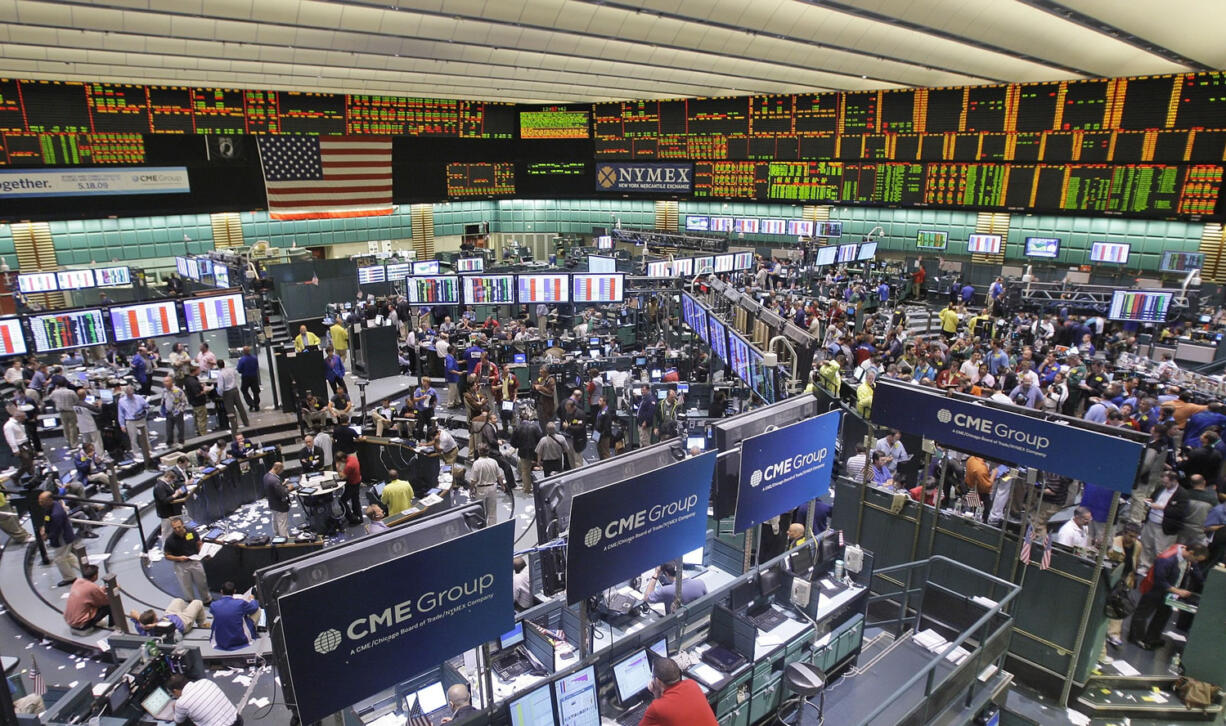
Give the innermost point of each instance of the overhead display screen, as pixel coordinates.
(371, 274)
(1116, 252)
(462, 264)
(697, 223)
(397, 271)
(724, 263)
(744, 261)
(480, 179)
(931, 240)
(554, 122)
(847, 252)
(828, 229)
(442, 290)
(597, 288)
(1173, 261)
(683, 267)
(543, 288)
(221, 276)
(719, 338)
(984, 244)
(659, 269)
(1048, 247)
(1139, 306)
(29, 282)
(597, 263)
(868, 250)
(488, 289)
(12, 342)
(69, 149)
(67, 329)
(825, 256)
(214, 313)
(738, 351)
(135, 322)
(110, 276)
(721, 224)
(428, 267)
(800, 228)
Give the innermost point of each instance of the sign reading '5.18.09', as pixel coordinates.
(87, 182)
(784, 468)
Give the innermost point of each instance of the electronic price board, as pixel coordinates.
(488, 289)
(1048, 247)
(1139, 306)
(825, 256)
(75, 279)
(464, 264)
(774, 226)
(214, 313)
(110, 276)
(1116, 252)
(543, 288)
(868, 250)
(441, 290)
(221, 276)
(683, 267)
(1173, 261)
(147, 320)
(718, 338)
(984, 244)
(66, 329)
(743, 261)
(697, 223)
(29, 282)
(12, 341)
(721, 224)
(601, 288)
(429, 267)
(554, 122)
(748, 226)
(69, 149)
(847, 253)
(725, 263)
(931, 240)
(397, 271)
(828, 229)
(371, 274)
(800, 228)
(480, 179)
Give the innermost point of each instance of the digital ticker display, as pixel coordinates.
(554, 122)
(149, 320)
(480, 179)
(67, 329)
(214, 313)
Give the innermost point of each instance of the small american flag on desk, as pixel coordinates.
(324, 177)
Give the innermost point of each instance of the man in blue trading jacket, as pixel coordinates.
(248, 368)
(140, 369)
(232, 624)
(1168, 576)
(240, 447)
(334, 370)
(645, 416)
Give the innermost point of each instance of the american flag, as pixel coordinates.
(318, 177)
(1024, 553)
(1046, 561)
(37, 684)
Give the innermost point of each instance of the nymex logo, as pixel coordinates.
(667, 177)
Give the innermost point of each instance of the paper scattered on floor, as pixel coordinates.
(258, 702)
(1078, 719)
(1125, 668)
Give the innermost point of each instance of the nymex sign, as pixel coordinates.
(654, 178)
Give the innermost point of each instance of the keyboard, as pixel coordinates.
(769, 619)
(634, 715)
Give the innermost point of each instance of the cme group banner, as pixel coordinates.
(620, 530)
(784, 468)
(351, 637)
(88, 182)
(1101, 459)
(652, 178)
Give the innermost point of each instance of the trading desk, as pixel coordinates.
(222, 489)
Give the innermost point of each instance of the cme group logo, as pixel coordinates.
(327, 641)
(944, 416)
(606, 177)
(592, 538)
(755, 478)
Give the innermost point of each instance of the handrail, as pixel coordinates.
(135, 507)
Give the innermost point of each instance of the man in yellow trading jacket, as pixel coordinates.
(305, 339)
(340, 340)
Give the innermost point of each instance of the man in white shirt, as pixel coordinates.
(441, 346)
(892, 447)
(521, 584)
(13, 375)
(227, 386)
(15, 431)
(856, 464)
(1075, 533)
(202, 701)
(970, 368)
(205, 358)
(485, 477)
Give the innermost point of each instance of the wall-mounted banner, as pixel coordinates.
(1108, 461)
(784, 468)
(350, 637)
(678, 178)
(620, 530)
(87, 182)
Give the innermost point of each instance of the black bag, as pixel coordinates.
(1121, 601)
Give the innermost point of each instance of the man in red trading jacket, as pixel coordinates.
(678, 701)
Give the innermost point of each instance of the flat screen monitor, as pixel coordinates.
(693, 557)
(725, 263)
(519, 358)
(660, 647)
(577, 700)
(1114, 252)
(1139, 306)
(828, 229)
(658, 269)
(697, 223)
(774, 226)
(512, 638)
(12, 342)
(738, 350)
(397, 271)
(1173, 261)
(29, 282)
(719, 338)
(147, 320)
(429, 267)
(597, 288)
(67, 329)
(488, 289)
(604, 242)
(440, 290)
(214, 313)
(983, 244)
(543, 288)
(800, 227)
(721, 224)
(696, 442)
(432, 698)
(746, 225)
(181, 266)
(596, 263)
(221, 276)
(825, 256)
(1048, 247)
(868, 250)
(468, 264)
(847, 252)
(743, 261)
(193, 268)
(927, 239)
(631, 676)
(205, 265)
(109, 276)
(700, 322)
(683, 267)
(75, 279)
(372, 275)
(742, 595)
(534, 708)
(157, 700)
(703, 265)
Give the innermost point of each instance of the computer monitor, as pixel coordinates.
(157, 700)
(660, 647)
(511, 638)
(593, 341)
(656, 374)
(107, 395)
(118, 696)
(695, 442)
(578, 704)
(693, 557)
(662, 394)
(432, 698)
(535, 708)
(521, 358)
(742, 595)
(769, 581)
(800, 560)
(631, 677)
(640, 361)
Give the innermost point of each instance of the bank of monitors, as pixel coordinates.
(372, 275)
(927, 239)
(29, 282)
(601, 264)
(1044, 247)
(743, 261)
(433, 290)
(1113, 252)
(800, 227)
(597, 288)
(397, 271)
(718, 338)
(868, 250)
(1139, 306)
(12, 341)
(1173, 261)
(214, 313)
(683, 267)
(721, 224)
(697, 223)
(825, 256)
(725, 263)
(67, 329)
(659, 269)
(488, 289)
(774, 226)
(111, 276)
(429, 267)
(983, 244)
(847, 253)
(468, 264)
(146, 320)
(745, 225)
(547, 289)
(75, 279)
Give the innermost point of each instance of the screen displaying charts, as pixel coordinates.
(440, 290)
(75, 279)
(193, 267)
(724, 263)
(774, 226)
(371, 275)
(181, 266)
(927, 239)
(721, 224)
(1043, 247)
(576, 697)
(700, 322)
(596, 263)
(847, 253)
(828, 229)
(429, 267)
(868, 250)
(703, 265)
(687, 309)
(683, 267)
(744, 261)
(738, 349)
(70, 329)
(763, 378)
(1110, 252)
(745, 225)
(604, 242)
(1139, 306)
(533, 709)
(107, 276)
(597, 288)
(543, 288)
(205, 265)
(214, 313)
(133, 322)
(397, 271)
(489, 289)
(697, 223)
(466, 264)
(984, 244)
(825, 256)
(800, 227)
(221, 276)
(719, 338)
(1181, 261)
(12, 342)
(659, 269)
(37, 282)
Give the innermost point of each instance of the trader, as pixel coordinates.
(397, 494)
(167, 499)
(340, 340)
(486, 477)
(311, 457)
(184, 616)
(179, 548)
(133, 419)
(277, 492)
(58, 532)
(87, 602)
(460, 702)
(202, 701)
(248, 368)
(305, 339)
(232, 626)
(1168, 576)
(662, 587)
(351, 472)
(678, 701)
